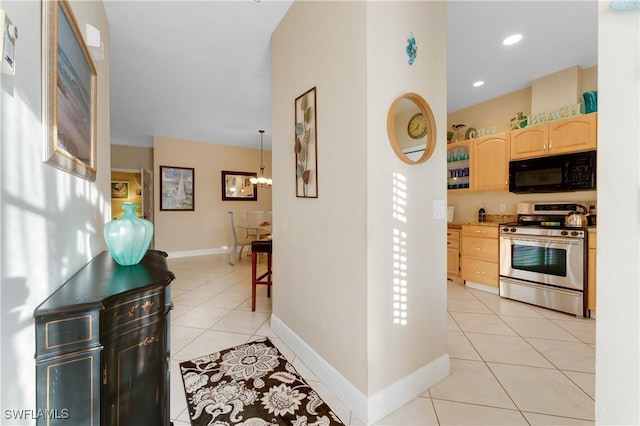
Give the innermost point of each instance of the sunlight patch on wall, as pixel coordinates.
(399, 250)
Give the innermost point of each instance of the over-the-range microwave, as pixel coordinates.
(556, 173)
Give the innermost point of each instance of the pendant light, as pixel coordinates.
(261, 181)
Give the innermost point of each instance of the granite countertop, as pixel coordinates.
(491, 220)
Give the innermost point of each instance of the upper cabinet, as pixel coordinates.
(459, 172)
(491, 162)
(556, 137)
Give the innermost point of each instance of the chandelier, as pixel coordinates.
(261, 181)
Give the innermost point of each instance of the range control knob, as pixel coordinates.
(564, 233)
(505, 229)
(574, 233)
(513, 229)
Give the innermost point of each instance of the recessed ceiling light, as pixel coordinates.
(478, 83)
(512, 39)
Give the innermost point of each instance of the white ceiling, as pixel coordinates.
(200, 70)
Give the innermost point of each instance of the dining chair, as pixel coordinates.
(245, 242)
(254, 220)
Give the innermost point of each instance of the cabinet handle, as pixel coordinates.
(550, 143)
(479, 272)
(479, 249)
(104, 375)
(544, 146)
(448, 242)
(479, 231)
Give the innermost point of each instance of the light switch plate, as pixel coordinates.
(439, 209)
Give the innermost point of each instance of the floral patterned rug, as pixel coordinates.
(251, 385)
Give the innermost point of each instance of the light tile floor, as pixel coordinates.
(511, 363)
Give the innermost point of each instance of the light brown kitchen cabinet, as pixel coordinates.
(490, 163)
(453, 254)
(574, 134)
(591, 271)
(480, 254)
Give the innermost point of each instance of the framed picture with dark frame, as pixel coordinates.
(69, 94)
(306, 145)
(237, 186)
(177, 188)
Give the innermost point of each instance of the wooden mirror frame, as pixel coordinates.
(430, 121)
(245, 176)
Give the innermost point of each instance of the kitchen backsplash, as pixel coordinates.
(467, 204)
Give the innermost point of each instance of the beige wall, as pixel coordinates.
(346, 312)
(420, 338)
(325, 306)
(205, 229)
(131, 157)
(51, 221)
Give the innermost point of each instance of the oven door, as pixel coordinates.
(547, 260)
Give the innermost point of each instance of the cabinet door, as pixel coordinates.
(453, 261)
(529, 142)
(573, 134)
(136, 391)
(68, 388)
(591, 280)
(491, 162)
(459, 168)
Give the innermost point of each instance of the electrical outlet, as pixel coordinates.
(503, 207)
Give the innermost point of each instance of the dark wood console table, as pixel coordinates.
(102, 345)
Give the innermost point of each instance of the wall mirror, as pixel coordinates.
(411, 128)
(236, 186)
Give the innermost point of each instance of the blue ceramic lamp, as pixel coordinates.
(128, 237)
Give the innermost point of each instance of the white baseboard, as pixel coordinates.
(368, 409)
(202, 252)
(482, 287)
(409, 387)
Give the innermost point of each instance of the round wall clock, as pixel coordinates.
(417, 126)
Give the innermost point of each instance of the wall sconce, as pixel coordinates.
(95, 45)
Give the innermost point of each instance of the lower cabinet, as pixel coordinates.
(102, 346)
(591, 271)
(454, 272)
(134, 376)
(480, 254)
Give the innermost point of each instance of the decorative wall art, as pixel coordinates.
(177, 189)
(119, 190)
(237, 186)
(412, 49)
(69, 94)
(306, 147)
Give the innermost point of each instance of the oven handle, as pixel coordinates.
(556, 240)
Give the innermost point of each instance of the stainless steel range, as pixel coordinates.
(543, 262)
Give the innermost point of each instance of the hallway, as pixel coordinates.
(511, 363)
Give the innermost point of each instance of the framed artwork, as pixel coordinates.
(69, 93)
(119, 190)
(177, 188)
(237, 186)
(306, 145)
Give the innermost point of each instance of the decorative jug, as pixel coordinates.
(128, 237)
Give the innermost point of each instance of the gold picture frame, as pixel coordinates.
(69, 93)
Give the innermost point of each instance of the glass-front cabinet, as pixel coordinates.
(459, 166)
